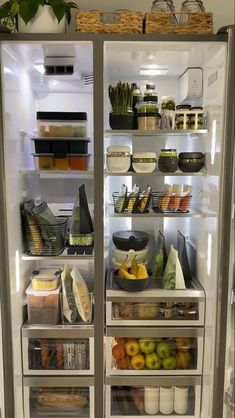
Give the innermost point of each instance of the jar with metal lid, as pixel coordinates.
(168, 161)
(197, 118)
(150, 93)
(182, 118)
(190, 6)
(191, 161)
(144, 162)
(118, 159)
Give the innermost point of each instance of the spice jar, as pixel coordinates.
(168, 161)
(182, 118)
(144, 162)
(150, 94)
(118, 159)
(197, 118)
(191, 161)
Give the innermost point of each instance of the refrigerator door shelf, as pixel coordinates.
(76, 397)
(58, 352)
(128, 396)
(154, 351)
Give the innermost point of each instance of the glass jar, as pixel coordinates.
(190, 6)
(168, 161)
(197, 118)
(163, 6)
(149, 122)
(182, 118)
(137, 97)
(150, 108)
(150, 93)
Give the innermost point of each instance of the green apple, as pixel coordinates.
(153, 361)
(169, 363)
(164, 350)
(147, 345)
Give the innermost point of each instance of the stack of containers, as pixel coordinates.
(62, 142)
(129, 245)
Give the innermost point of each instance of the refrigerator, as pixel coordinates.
(104, 387)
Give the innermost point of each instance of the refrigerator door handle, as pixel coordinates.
(225, 29)
(233, 297)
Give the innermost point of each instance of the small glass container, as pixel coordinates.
(167, 103)
(148, 122)
(150, 94)
(144, 162)
(197, 118)
(168, 161)
(118, 159)
(182, 118)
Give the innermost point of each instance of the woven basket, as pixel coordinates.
(99, 22)
(161, 23)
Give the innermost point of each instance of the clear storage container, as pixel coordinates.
(42, 306)
(79, 161)
(62, 124)
(45, 279)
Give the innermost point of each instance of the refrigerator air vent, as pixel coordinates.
(59, 66)
(88, 79)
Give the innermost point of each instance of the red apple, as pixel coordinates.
(123, 363)
(118, 351)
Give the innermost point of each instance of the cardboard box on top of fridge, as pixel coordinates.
(191, 85)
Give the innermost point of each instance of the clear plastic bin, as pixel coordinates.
(43, 306)
(62, 124)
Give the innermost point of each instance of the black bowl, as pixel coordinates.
(131, 285)
(130, 240)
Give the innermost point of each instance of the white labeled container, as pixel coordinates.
(45, 279)
(62, 124)
(118, 159)
(151, 400)
(144, 162)
(43, 306)
(181, 400)
(166, 402)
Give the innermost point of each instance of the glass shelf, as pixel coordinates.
(155, 174)
(60, 173)
(137, 133)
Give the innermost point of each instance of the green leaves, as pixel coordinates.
(28, 9)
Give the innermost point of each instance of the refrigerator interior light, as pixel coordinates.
(213, 142)
(153, 69)
(40, 67)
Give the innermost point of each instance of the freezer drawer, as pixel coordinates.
(156, 396)
(154, 351)
(56, 397)
(156, 307)
(58, 351)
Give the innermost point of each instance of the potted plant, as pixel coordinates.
(36, 16)
(121, 97)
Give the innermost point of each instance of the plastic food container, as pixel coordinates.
(81, 240)
(144, 162)
(191, 161)
(197, 118)
(147, 107)
(182, 117)
(61, 162)
(79, 161)
(44, 161)
(168, 161)
(62, 124)
(148, 122)
(45, 279)
(43, 306)
(118, 159)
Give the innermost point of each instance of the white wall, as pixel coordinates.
(223, 10)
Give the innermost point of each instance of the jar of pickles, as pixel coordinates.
(182, 118)
(168, 161)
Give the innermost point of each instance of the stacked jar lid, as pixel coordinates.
(62, 141)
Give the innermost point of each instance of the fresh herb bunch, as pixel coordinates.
(27, 9)
(121, 97)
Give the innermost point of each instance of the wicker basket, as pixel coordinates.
(161, 23)
(100, 22)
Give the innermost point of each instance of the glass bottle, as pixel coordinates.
(137, 97)
(190, 6)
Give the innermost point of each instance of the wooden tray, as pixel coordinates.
(109, 22)
(162, 23)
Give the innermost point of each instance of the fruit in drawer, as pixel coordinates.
(138, 362)
(183, 344)
(132, 347)
(147, 345)
(183, 359)
(164, 349)
(124, 363)
(169, 363)
(118, 351)
(120, 340)
(153, 361)
(142, 272)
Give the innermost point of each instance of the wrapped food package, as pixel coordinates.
(81, 294)
(69, 306)
(144, 199)
(161, 256)
(173, 276)
(174, 203)
(183, 256)
(164, 200)
(133, 199)
(185, 199)
(120, 203)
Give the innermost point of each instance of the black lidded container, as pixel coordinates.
(130, 240)
(61, 145)
(191, 162)
(168, 161)
(150, 95)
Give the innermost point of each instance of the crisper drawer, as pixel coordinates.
(153, 396)
(156, 307)
(154, 351)
(59, 398)
(58, 350)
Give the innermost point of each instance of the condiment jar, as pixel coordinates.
(191, 161)
(168, 161)
(150, 93)
(118, 159)
(144, 162)
(182, 118)
(197, 118)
